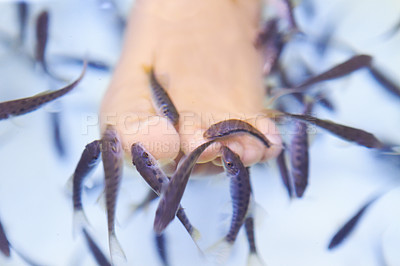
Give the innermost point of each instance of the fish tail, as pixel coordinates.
(80, 221)
(255, 260)
(220, 251)
(116, 251)
(69, 185)
(195, 234)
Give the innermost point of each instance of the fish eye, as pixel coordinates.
(145, 155)
(229, 164)
(149, 163)
(165, 111)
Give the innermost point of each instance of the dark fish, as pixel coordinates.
(170, 199)
(240, 190)
(90, 158)
(42, 34)
(286, 179)
(358, 136)
(348, 227)
(148, 168)
(393, 31)
(299, 158)
(324, 101)
(26, 105)
(22, 19)
(232, 126)
(161, 100)
(95, 64)
(57, 133)
(97, 253)
(289, 11)
(4, 244)
(151, 195)
(388, 84)
(340, 70)
(113, 157)
(161, 248)
(270, 42)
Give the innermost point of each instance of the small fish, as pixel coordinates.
(393, 31)
(26, 105)
(271, 43)
(299, 158)
(4, 244)
(90, 158)
(161, 248)
(151, 195)
(23, 11)
(349, 226)
(42, 32)
(94, 64)
(97, 253)
(170, 199)
(240, 190)
(287, 181)
(148, 168)
(113, 158)
(57, 133)
(233, 126)
(290, 17)
(340, 70)
(358, 136)
(161, 100)
(388, 84)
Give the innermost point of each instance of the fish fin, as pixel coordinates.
(255, 260)
(196, 236)
(147, 69)
(80, 222)
(101, 201)
(220, 251)
(260, 214)
(117, 253)
(68, 187)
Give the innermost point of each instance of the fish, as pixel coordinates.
(4, 243)
(170, 199)
(232, 126)
(26, 105)
(90, 158)
(355, 63)
(388, 84)
(151, 195)
(286, 178)
(113, 157)
(57, 133)
(42, 34)
(240, 191)
(351, 134)
(155, 177)
(92, 63)
(23, 11)
(271, 43)
(349, 226)
(300, 158)
(161, 100)
(96, 251)
(161, 248)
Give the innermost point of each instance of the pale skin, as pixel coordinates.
(204, 56)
